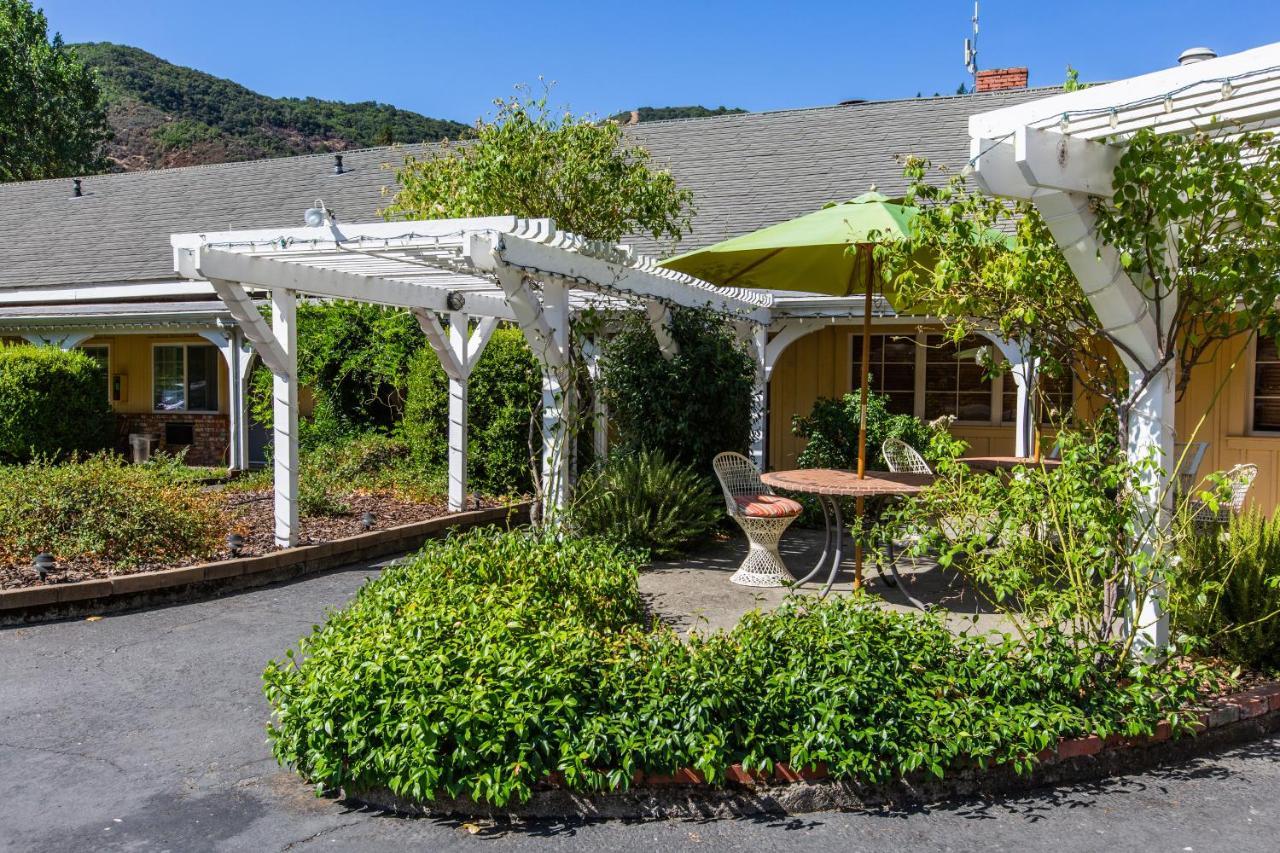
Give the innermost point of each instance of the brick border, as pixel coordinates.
(125, 592)
(1235, 719)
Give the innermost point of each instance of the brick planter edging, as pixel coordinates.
(1239, 718)
(104, 595)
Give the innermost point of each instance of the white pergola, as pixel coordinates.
(484, 270)
(1060, 153)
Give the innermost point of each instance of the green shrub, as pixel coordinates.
(505, 392)
(101, 508)
(491, 659)
(648, 502)
(1226, 590)
(830, 431)
(53, 403)
(690, 407)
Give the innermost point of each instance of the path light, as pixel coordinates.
(44, 564)
(366, 521)
(235, 543)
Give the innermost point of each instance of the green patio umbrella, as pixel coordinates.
(829, 251)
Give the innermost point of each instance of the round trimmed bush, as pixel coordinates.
(53, 404)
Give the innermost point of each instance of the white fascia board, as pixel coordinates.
(279, 272)
(114, 292)
(998, 123)
(407, 230)
(591, 273)
(1053, 160)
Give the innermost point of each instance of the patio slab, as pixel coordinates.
(693, 592)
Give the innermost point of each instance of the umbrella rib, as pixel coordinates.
(749, 267)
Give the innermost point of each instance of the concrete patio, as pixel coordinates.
(693, 592)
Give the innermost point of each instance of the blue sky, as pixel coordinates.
(450, 59)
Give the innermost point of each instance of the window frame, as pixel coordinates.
(186, 379)
(1251, 394)
(920, 341)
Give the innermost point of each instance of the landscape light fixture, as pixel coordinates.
(44, 564)
(318, 215)
(235, 544)
(366, 520)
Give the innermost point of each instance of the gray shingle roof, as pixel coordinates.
(746, 171)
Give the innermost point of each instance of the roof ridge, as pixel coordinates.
(843, 106)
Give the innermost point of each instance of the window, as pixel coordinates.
(102, 355)
(954, 383)
(1266, 386)
(893, 369)
(927, 376)
(185, 378)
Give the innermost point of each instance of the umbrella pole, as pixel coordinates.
(862, 415)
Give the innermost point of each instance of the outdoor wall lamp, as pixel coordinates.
(235, 544)
(44, 564)
(318, 215)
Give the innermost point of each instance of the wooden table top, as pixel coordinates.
(831, 481)
(1005, 463)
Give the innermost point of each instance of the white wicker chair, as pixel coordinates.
(1206, 520)
(739, 479)
(902, 458)
(1190, 455)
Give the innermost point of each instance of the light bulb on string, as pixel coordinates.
(1114, 119)
(1226, 89)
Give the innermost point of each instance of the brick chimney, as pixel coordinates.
(996, 79)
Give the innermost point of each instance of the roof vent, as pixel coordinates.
(1192, 55)
(76, 192)
(337, 164)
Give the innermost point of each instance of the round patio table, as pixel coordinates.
(1007, 463)
(828, 484)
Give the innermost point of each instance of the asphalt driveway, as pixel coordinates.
(144, 732)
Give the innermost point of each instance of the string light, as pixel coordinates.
(1168, 104)
(1114, 120)
(1226, 89)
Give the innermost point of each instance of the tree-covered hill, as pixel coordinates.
(168, 115)
(644, 114)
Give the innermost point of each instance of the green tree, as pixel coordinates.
(529, 162)
(52, 122)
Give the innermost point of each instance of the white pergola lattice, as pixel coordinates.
(1060, 153)
(484, 269)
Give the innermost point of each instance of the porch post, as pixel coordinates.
(239, 358)
(760, 397)
(599, 412)
(284, 325)
(1025, 371)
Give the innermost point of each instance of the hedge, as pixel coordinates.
(505, 392)
(493, 659)
(53, 403)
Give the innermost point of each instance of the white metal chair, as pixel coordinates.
(1191, 455)
(902, 458)
(762, 515)
(1206, 520)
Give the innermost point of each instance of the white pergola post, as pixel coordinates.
(239, 360)
(557, 404)
(458, 350)
(284, 325)
(760, 397)
(599, 412)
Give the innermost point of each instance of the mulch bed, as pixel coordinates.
(251, 514)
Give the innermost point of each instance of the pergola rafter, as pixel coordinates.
(481, 271)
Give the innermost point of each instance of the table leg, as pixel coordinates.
(826, 542)
(897, 580)
(838, 556)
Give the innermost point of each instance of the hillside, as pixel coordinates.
(664, 113)
(168, 115)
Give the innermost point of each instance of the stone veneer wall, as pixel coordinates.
(211, 441)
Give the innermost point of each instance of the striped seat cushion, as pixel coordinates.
(767, 506)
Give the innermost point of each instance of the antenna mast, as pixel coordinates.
(971, 48)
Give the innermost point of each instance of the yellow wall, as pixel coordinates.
(819, 365)
(131, 356)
